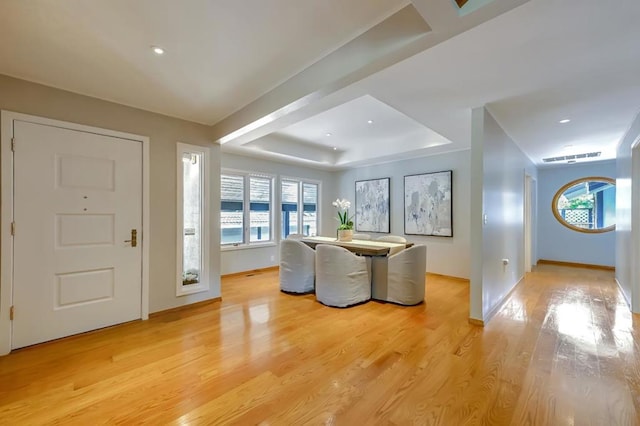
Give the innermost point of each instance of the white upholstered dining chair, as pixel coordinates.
(342, 278)
(392, 239)
(405, 277)
(295, 237)
(297, 267)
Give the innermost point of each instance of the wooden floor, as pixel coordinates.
(563, 351)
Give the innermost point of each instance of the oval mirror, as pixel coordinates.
(587, 205)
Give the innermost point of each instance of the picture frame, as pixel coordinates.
(428, 204)
(373, 213)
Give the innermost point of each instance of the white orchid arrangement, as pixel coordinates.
(346, 222)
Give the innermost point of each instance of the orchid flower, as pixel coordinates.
(343, 206)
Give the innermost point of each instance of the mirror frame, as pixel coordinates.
(556, 197)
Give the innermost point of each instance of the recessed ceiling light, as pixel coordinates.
(370, 121)
(328, 134)
(564, 121)
(157, 50)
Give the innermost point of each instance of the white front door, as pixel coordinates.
(77, 198)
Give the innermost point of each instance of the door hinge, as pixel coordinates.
(13, 144)
(13, 228)
(11, 310)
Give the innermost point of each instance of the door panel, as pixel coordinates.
(78, 288)
(85, 230)
(77, 196)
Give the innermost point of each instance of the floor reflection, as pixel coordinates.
(573, 319)
(259, 314)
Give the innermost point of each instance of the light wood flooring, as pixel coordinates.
(564, 350)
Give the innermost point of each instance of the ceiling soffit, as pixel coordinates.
(395, 39)
(392, 40)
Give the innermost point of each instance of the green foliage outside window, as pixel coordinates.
(580, 202)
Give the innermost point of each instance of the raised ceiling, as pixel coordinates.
(270, 75)
(359, 131)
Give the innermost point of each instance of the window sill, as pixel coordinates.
(247, 246)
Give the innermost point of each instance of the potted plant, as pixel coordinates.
(345, 229)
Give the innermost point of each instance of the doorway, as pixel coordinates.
(75, 201)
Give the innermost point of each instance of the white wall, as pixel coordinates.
(445, 255)
(556, 241)
(163, 132)
(248, 258)
(497, 218)
(628, 215)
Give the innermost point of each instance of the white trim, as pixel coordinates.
(624, 296)
(232, 171)
(6, 243)
(256, 245)
(204, 283)
(498, 306)
(6, 199)
(634, 275)
(146, 224)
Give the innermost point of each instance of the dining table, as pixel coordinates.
(377, 251)
(360, 247)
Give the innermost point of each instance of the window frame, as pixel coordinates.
(300, 212)
(561, 191)
(246, 209)
(204, 284)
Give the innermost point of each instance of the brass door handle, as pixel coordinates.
(134, 238)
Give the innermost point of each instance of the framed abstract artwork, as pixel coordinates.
(428, 206)
(372, 205)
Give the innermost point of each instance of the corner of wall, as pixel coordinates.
(476, 214)
(628, 214)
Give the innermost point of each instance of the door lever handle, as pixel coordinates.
(134, 238)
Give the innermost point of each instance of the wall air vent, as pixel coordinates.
(572, 158)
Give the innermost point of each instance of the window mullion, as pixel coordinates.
(300, 208)
(246, 231)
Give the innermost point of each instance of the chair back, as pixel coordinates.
(297, 267)
(295, 237)
(342, 278)
(392, 239)
(406, 276)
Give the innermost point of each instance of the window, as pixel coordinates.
(309, 211)
(232, 209)
(260, 208)
(299, 207)
(586, 205)
(240, 207)
(192, 219)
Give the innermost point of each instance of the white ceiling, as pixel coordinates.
(346, 131)
(283, 73)
(220, 54)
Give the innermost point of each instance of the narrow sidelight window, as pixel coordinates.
(193, 219)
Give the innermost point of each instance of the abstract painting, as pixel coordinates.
(372, 205)
(427, 204)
